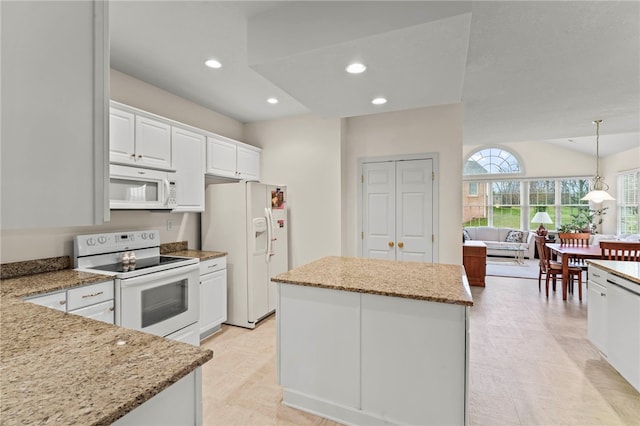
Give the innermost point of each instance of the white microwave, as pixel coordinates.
(143, 189)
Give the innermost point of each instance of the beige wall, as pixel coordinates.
(418, 131)
(609, 168)
(17, 245)
(544, 159)
(304, 153)
(136, 93)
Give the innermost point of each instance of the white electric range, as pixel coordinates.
(154, 293)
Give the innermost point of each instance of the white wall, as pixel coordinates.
(18, 245)
(303, 153)
(424, 130)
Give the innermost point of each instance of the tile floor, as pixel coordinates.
(531, 364)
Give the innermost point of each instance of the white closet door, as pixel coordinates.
(379, 210)
(397, 217)
(414, 224)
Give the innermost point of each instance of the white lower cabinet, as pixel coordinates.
(371, 359)
(613, 322)
(95, 301)
(179, 404)
(213, 295)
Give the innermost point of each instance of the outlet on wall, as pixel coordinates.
(169, 225)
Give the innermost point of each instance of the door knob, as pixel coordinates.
(400, 244)
(390, 243)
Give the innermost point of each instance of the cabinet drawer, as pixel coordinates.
(54, 300)
(104, 312)
(597, 275)
(213, 265)
(89, 295)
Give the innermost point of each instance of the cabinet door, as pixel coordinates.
(54, 163)
(247, 163)
(213, 300)
(221, 157)
(623, 325)
(187, 156)
(153, 143)
(597, 316)
(121, 136)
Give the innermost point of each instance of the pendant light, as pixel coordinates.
(598, 189)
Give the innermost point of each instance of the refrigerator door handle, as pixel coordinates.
(267, 213)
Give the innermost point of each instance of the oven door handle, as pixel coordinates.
(152, 278)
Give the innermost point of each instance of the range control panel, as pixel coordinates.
(85, 245)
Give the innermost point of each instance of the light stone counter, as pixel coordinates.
(628, 270)
(436, 282)
(59, 368)
(200, 254)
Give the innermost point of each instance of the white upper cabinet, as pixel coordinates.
(232, 159)
(153, 143)
(55, 64)
(187, 153)
(122, 130)
(139, 140)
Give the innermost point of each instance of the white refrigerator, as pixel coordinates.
(248, 220)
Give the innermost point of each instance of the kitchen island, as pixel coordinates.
(60, 368)
(365, 341)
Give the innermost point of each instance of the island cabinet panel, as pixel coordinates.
(362, 358)
(320, 328)
(407, 347)
(179, 404)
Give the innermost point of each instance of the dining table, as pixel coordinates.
(566, 252)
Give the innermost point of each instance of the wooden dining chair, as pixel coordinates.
(576, 239)
(620, 250)
(552, 270)
(580, 239)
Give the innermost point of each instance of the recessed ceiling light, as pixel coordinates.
(356, 68)
(272, 100)
(379, 101)
(213, 63)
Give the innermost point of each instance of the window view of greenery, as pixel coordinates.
(504, 202)
(628, 189)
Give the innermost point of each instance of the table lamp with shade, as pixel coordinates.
(541, 218)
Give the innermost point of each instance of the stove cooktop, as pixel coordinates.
(139, 264)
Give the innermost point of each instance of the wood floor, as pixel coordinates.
(531, 364)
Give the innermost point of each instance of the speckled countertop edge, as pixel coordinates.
(63, 368)
(628, 270)
(200, 254)
(435, 282)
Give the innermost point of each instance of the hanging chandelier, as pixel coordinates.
(598, 188)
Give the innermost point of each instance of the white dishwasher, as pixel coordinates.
(213, 295)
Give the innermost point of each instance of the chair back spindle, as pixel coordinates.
(616, 250)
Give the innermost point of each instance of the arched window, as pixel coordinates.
(491, 161)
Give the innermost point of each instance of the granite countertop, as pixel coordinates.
(61, 368)
(200, 254)
(435, 282)
(628, 270)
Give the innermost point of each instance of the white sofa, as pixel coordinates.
(498, 236)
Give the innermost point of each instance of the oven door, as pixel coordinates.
(162, 302)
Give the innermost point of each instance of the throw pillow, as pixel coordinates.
(465, 235)
(515, 237)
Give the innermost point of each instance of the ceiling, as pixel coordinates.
(525, 71)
